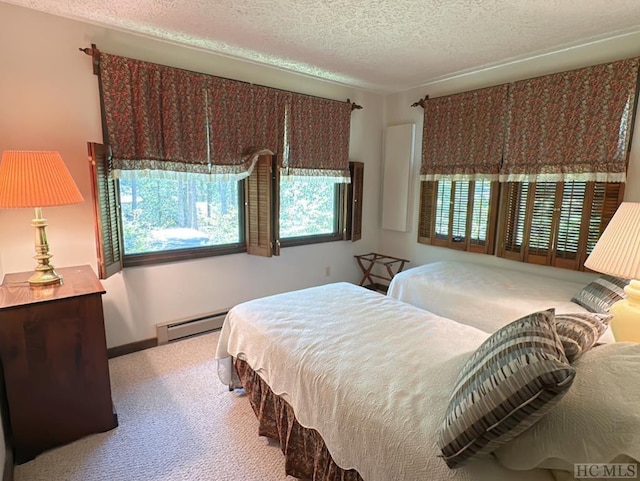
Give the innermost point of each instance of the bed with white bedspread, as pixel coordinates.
(481, 296)
(371, 374)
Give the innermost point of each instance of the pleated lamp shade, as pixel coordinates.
(617, 252)
(35, 179)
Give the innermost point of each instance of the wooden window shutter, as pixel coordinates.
(483, 216)
(530, 217)
(353, 223)
(428, 199)
(442, 213)
(106, 202)
(605, 199)
(458, 215)
(572, 224)
(262, 208)
(555, 223)
(513, 207)
(543, 221)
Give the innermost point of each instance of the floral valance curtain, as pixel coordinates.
(244, 121)
(156, 117)
(317, 137)
(463, 134)
(161, 120)
(571, 126)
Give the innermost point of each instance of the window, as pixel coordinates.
(547, 223)
(158, 118)
(171, 214)
(555, 223)
(301, 211)
(458, 214)
(146, 221)
(309, 208)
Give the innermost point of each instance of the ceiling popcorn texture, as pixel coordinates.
(383, 46)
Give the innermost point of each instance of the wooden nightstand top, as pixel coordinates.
(76, 281)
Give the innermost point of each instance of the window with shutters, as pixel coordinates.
(173, 133)
(559, 145)
(136, 220)
(458, 214)
(555, 223)
(282, 213)
(160, 220)
(145, 221)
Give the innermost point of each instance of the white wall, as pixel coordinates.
(398, 110)
(49, 100)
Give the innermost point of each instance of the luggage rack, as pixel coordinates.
(367, 262)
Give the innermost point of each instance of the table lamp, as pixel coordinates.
(617, 253)
(37, 179)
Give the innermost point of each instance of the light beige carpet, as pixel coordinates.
(177, 423)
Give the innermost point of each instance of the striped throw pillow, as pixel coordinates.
(579, 332)
(601, 294)
(509, 383)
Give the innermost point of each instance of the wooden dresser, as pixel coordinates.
(54, 357)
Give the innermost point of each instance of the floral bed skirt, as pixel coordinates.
(306, 455)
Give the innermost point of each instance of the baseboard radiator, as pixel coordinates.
(176, 330)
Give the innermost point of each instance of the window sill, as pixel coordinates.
(306, 240)
(133, 260)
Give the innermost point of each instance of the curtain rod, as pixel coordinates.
(420, 102)
(94, 53)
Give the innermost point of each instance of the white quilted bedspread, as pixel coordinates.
(372, 375)
(482, 296)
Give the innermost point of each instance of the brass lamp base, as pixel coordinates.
(45, 274)
(626, 315)
(45, 278)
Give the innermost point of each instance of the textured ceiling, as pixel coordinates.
(385, 46)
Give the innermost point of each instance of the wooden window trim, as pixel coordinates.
(306, 240)
(176, 255)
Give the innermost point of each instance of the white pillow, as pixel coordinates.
(597, 421)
